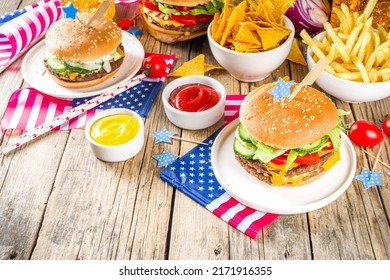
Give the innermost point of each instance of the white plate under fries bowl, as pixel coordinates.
(279, 200)
(33, 67)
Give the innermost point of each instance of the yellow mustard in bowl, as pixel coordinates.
(114, 129)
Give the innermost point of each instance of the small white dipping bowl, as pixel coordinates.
(252, 67)
(119, 152)
(346, 90)
(194, 120)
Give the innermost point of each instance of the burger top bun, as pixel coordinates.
(187, 3)
(302, 121)
(71, 40)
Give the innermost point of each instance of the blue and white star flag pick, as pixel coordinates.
(281, 89)
(164, 135)
(69, 10)
(369, 178)
(165, 158)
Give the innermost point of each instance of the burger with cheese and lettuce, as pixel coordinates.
(79, 55)
(287, 143)
(172, 21)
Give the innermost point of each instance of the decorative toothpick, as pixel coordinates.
(69, 10)
(165, 135)
(163, 160)
(100, 11)
(381, 162)
(311, 76)
(281, 89)
(371, 178)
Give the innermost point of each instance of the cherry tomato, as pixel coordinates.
(184, 19)
(365, 133)
(154, 66)
(386, 125)
(312, 158)
(149, 4)
(204, 18)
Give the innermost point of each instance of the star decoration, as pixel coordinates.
(164, 135)
(69, 11)
(134, 30)
(369, 178)
(281, 89)
(165, 158)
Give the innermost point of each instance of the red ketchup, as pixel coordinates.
(194, 98)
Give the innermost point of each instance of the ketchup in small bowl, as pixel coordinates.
(194, 97)
(194, 102)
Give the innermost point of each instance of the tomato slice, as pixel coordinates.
(182, 8)
(187, 19)
(204, 18)
(308, 159)
(149, 4)
(280, 160)
(327, 148)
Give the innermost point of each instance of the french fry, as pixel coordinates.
(348, 16)
(362, 69)
(356, 50)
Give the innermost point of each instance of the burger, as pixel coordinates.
(172, 21)
(78, 55)
(287, 143)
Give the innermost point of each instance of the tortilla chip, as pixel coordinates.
(272, 38)
(209, 67)
(195, 66)
(237, 15)
(295, 54)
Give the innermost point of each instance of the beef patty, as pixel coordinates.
(260, 170)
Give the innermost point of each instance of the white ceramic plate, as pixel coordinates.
(33, 67)
(280, 200)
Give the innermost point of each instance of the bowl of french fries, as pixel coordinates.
(251, 40)
(359, 55)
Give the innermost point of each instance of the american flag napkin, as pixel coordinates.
(193, 175)
(21, 28)
(28, 108)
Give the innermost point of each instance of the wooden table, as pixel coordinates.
(57, 201)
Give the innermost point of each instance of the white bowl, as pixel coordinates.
(194, 120)
(252, 67)
(115, 153)
(349, 91)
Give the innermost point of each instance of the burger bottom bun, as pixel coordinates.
(168, 36)
(84, 84)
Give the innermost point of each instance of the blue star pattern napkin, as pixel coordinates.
(281, 89)
(369, 178)
(164, 135)
(193, 175)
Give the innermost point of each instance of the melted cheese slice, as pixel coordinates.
(278, 172)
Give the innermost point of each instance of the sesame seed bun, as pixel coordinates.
(71, 40)
(302, 121)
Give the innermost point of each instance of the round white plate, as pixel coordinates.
(33, 68)
(276, 199)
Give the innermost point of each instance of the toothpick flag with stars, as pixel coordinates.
(69, 10)
(281, 89)
(164, 135)
(165, 158)
(369, 178)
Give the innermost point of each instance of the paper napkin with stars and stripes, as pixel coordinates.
(193, 175)
(28, 108)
